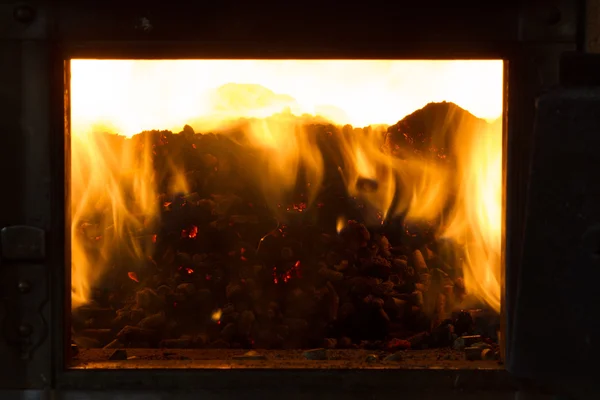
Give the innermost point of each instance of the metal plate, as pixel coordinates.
(23, 243)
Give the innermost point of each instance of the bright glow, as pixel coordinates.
(170, 94)
(114, 193)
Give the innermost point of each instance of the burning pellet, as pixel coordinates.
(147, 299)
(86, 343)
(136, 334)
(186, 289)
(427, 253)
(233, 291)
(398, 344)
(425, 279)
(477, 352)
(417, 297)
(418, 340)
(395, 306)
(399, 265)
(164, 290)
(384, 316)
(330, 274)
(488, 354)
(419, 262)
(345, 343)
(395, 357)
(471, 340)
(342, 266)
(153, 321)
(473, 353)
(115, 344)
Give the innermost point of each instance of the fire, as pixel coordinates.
(340, 224)
(114, 187)
(477, 225)
(216, 315)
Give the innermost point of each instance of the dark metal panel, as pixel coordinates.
(24, 20)
(579, 69)
(309, 21)
(25, 202)
(555, 326)
(239, 29)
(345, 382)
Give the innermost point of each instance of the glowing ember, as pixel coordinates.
(286, 276)
(216, 315)
(341, 223)
(133, 276)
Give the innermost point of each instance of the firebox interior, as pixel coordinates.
(275, 213)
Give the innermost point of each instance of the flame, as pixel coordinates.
(111, 193)
(477, 223)
(340, 224)
(115, 196)
(216, 315)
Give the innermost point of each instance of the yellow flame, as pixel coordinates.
(340, 224)
(477, 222)
(112, 196)
(114, 192)
(216, 315)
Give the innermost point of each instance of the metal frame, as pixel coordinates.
(40, 36)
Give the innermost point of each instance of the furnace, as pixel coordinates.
(285, 210)
(252, 199)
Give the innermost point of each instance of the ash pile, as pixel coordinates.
(228, 272)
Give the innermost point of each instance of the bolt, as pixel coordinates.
(552, 16)
(25, 329)
(24, 14)
(24, 286)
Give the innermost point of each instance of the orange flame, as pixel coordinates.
(131, 96)
(340, 224)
